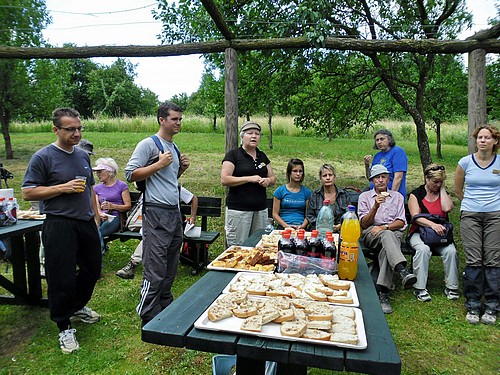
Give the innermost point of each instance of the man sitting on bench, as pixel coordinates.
(382, 217)
(128, 271)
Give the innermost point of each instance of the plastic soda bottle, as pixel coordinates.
(350, 232)
(301, 243)
(315, 245)
(324, 221)
(330, 251)
(285, 244)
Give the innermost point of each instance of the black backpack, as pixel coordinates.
(141, 185)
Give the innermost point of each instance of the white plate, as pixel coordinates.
(249, 276)
(212, 267)
(272, 330)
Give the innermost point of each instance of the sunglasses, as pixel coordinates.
(436, 168)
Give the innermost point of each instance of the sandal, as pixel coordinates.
(422, 295)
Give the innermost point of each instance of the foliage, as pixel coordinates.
(22, 22)
(493, 89)
(403, 75)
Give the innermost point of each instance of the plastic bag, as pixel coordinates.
(292, 263)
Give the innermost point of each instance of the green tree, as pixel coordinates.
(493, 89)
(404, 75)
(22, 22)
(112, 91)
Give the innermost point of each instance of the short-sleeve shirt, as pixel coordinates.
(112, 194)
(482, 185)
(392, 209)
(248, 196)
(54, 166)
(292, 204)
(162, 186)
(395, 160)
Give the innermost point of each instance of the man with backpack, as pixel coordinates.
(157, 161)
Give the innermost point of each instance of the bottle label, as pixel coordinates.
(348, 252)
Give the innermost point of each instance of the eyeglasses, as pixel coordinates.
(73, 130)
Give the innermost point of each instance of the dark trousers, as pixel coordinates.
(162, 240)
(478, 282)
(72, 265)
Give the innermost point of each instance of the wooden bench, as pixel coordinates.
(198, 246)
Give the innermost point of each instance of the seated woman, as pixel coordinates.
(113, 197)
(432, 198)
(290, 200)
(339, 198)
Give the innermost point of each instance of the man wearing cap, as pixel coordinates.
(247, 172)
(162, 221)
(382, 217)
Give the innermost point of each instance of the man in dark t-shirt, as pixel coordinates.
(60, 177)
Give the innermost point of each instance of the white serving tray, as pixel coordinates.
(272, 330)
(212, 267)
(248, 275)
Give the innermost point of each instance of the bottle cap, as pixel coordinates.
(286, 234)
(301, 235)
(351, 207)
(314, 233)
(326, 201)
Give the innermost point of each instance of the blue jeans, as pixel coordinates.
(106, 228)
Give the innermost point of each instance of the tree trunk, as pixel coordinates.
(231, 98)
(270, 123)
(5, 119)
(215, 122)
(477, 94)
(437, 121)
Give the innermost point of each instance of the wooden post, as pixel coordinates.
(231, 98)
(477, 93)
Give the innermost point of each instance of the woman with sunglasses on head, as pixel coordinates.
(339, 198)
(290, 200)
(113, 197)
(432, 198)
(390, 156)
(247, 172)
(477, 185)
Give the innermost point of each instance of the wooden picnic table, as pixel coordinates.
(174, 327)
(26, 284)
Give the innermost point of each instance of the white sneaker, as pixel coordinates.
(67, 341)
(86, 315)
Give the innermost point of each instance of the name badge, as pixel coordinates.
(496, 171)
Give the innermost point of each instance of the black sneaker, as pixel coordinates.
(384, 302)
(408, 279)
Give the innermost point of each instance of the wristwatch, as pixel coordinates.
(386, 226)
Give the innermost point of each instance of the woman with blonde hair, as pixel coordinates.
(432, 198)
(113, 197)
(477, 185)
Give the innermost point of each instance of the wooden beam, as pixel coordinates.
(476, 112)
(344, 44)
(217, 17)
(231, 98)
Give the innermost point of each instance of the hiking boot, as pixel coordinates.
(127, 272)
(451, 294)
(86, 315)
(489, 317)
(422, 295)
(407, 278)
(67, 341)
(472, 317)
(384, 302)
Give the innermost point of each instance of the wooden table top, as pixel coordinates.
(174, 327)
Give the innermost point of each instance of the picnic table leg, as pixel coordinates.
(249, 366)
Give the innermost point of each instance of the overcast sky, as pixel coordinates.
(129, 22)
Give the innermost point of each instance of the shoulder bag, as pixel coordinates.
(429, 236)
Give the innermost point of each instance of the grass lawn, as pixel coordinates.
(432, 338)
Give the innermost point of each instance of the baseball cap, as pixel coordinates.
(250, 125)
(86, 145)
(378, 169)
